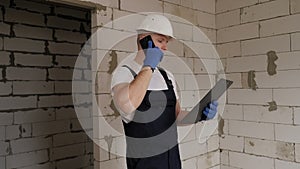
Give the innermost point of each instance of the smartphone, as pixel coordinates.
(144, 42)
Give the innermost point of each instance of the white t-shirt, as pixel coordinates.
(123, 75)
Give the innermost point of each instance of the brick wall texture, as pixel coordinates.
(39, 44)
(257, 42)
(258, 45)
(194, 153)
(257, 39)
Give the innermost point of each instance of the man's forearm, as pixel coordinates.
(139, 86)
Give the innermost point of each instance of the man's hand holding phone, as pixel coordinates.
(152, 56)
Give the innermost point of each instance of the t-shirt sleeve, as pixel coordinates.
(121, 75)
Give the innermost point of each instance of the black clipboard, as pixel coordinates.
(215, 93)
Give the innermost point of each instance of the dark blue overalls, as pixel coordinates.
(151, 137)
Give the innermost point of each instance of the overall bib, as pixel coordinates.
(151, 137)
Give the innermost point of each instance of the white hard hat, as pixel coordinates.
(157, 24)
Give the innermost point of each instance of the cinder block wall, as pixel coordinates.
(201, 13)
(39, 44)
(258, 41)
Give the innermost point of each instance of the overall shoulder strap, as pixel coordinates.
(131, 71)
(165, 76)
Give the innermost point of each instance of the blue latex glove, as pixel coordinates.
(152, 56)
(211, 110)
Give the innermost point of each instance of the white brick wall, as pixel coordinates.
(295, 38)
(297, 152)
(251, 129)
(297, 116)
(288, 60)
(287, 133)
(206, 20)
(281, 25)
(269, 148)
(185, 13)
(227, 19)
(288, 97)
(226, 5)
(187, 3)
(233, 143)
(248, 96)
(209, 160)
(279, 164)
(190, 163)
(101, 17)
(295, 6)
(283, 79)
(264, 45)
(115, 163)
(233, 112)
(224, 157)
(262, 114)
(183, 31)
(241, 28)
(141, 5)
(192, 149)
(256, 63)
(237, 78)
(246, 161)
(238, 32)
(229, 49)
(259, 12)
(205, 5)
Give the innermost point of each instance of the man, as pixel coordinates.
(148, 103)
